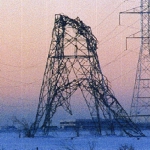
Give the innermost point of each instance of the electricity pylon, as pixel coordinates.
(73, 64)
(140, 106)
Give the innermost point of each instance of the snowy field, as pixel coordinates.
(68, 141)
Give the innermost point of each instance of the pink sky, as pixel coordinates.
(25, 36)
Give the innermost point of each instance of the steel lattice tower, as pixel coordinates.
(140, 106)
(73, 64)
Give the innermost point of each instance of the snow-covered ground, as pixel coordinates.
(67, 141)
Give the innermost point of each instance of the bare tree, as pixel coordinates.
(126, 147)
(23, 126)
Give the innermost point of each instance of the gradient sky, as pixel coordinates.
(25, 35)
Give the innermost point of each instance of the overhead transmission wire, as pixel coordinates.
(119, 57)
(15, 81)
(115, 26)
(114, 30)
(115, 59)
(109, 14)
(118, 33)
(23, 83)
(41, 32)
(94, 28)
(18, 81)
(133, 69)
(28, 105)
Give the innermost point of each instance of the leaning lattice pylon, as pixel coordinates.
(73, 64)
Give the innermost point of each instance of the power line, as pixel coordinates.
(109, 14)
(133, 69)
(118, 33)
(118, 57)
(109, 33)
(15, 66)
(19, 81)
(115, 59)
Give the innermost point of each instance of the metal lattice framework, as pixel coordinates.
(140, 106)
(73, 64)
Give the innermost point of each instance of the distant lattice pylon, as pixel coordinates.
(140, 106)
(73, 64)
